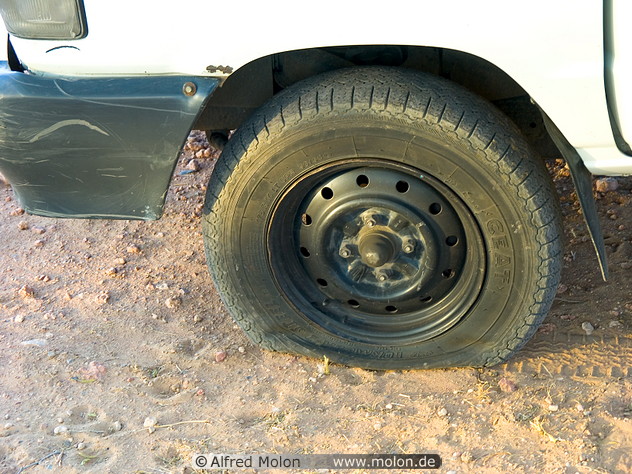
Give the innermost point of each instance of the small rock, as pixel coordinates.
(81, 446)
(562, 289)
(103, 297)
(133, 249)
(220, 356)
(579, 407)
(35, 342)
(38, 230)
(442, 412)
(39, 243)
(8, 426)
(507, 385)
(163, 285)
(17, 212)
(160, 234)
(553, 407)
(193, 165)
(150, 423)
(615, 324)
(26, 292)
(197, 318)
(173, 302)
(120, 261)
(588, 328)
(112, 271)
(467, 457)
(18, 319)
(23, 225)
(117, 426)
(389, 406)
(568, 317)
(603, 185)
(241, 349)
(44, 278)
(377, 426)
(61, 429)
(94, 371)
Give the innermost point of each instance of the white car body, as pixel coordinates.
(554, 50)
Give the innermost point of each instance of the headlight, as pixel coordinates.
(44, 19)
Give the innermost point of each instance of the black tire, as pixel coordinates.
(386, 219)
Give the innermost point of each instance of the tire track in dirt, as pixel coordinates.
(574, 354)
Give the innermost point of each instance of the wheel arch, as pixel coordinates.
(256, 82)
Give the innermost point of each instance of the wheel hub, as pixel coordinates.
(376, 249)
(379, 249)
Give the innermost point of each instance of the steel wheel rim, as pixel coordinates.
(376, 252)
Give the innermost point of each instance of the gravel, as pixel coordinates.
(588, 328)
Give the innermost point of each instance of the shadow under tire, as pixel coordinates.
(385, 218)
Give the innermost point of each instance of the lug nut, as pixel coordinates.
(370, 222)
(345, 252)
(408, 247)
(381, 277)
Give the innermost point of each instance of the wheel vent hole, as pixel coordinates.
(304, 252)
(327, 193)
(402, 186)
(306, 219)
(426, 299)
(452, 240)
(353, 303)
(435, 208)
(362, 181)
(449, 273)
(391, 309)
(321, 282)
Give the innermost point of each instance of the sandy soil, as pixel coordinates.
(109, 325)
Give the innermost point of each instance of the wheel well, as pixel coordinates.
(255, 83)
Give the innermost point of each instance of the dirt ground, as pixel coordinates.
(117, 355)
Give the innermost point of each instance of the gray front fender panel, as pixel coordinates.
(95, 147)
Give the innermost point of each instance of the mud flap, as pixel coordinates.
(582, 179)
